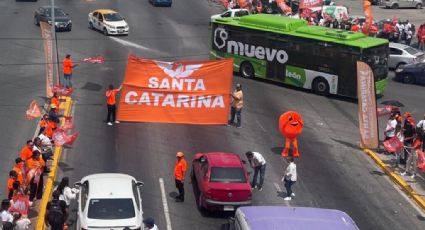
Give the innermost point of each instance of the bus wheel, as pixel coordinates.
(408, 79)
(321, 86)
(246, 70)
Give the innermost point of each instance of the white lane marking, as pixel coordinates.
(165, 204)
(259, 124)
(131, 44)
(276, 185)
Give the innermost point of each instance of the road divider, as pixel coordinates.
(66, 107)
(397, 179)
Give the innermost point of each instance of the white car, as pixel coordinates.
(109, 201)
(231, 13)
(108, 21)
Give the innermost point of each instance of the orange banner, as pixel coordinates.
(189, 92)
(367, 106)
(46, 34)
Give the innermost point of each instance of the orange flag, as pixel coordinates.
(33, 110)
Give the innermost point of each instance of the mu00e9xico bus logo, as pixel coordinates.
(221, 41)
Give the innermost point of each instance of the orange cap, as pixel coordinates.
(180, 154)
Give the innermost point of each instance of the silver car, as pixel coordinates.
(394, 4)
(401, 54)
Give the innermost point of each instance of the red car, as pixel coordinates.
(222, 181)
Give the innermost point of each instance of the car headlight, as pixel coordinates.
(110, 27)
(399, 70)
(69, 21)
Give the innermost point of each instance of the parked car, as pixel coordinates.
(109, 201)
(395, 4)
(221, 181)
(411, 74)
(289, 218)
(231, 13)
(62, 19)
(161, 2)
(108, 21)
(401, 54)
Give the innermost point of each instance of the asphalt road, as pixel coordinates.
(333, 172)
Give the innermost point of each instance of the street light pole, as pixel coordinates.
(54, 41)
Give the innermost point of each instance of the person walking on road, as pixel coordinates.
(258, 163)
(110, 102)
(236, 106)
(150, 224)
(421, 128)
(56, 212)
(290, 178)
(179, 172)
(68, 66)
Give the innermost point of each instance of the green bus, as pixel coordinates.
(290, 51)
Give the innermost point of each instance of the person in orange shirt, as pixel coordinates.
(13, 176)
(355, 27)
(110, 102)
(179, 173)
(67, 70)
(50, 128)
(26, 152)
(43, 123)
(35, 167)
(55, 100)
(19, 168)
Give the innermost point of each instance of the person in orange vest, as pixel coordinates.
(35, 167)
(43, 123)
(55, 100)
(110, 102)
(179, 173)
(19, 168)
(13, 176)
(355, 27)
(26, 151)
(50, 128)
(67, 70)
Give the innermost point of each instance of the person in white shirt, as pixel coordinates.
(391, 126)
(22, 222)
(66, 193)
(290, 178)
(258, 163)
(421, 131)
(4, 212)
(150, 224)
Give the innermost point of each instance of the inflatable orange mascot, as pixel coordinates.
(291, 125)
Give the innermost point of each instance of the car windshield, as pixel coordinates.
(227, 175)
(110, 209)
(411, 50)
(58, 12)
(113, 17)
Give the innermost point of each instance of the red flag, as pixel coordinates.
(421, 160)
(310, 3)
(60, 137)
(20, 203)
(33, 110)
(70, 139)
(68, 124)
(62, 91)
(393, 145)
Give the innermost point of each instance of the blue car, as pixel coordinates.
(411, 74)
(161, 2)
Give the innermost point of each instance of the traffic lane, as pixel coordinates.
(333, 172)
(21, 81)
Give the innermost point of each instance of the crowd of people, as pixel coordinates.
(409, 135)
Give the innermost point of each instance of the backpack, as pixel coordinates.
(55, 215)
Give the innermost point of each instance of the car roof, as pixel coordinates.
(296, 218)
(105, 11)
(221, 159)
(109, 185)
(398, 45)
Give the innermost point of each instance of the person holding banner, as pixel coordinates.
(236, 106)
(67, 70)
(110, 102)
(35, 167)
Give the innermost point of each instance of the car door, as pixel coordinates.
(395, 57)
(420, 75)
(100, 21)
(202, 179)
(82, 200)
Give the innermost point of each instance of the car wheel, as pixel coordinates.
(105, 31)
(246, 70)
(91, 25)
(400, 65)
(418, 6)
(408, 79)
(394, 6)
(36, 22)
(320, 86)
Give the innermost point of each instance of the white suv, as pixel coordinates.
(394, 4)
(109, 201)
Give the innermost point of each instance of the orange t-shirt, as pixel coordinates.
(110, 96)
(20, 173)
(35, 164)
(43, 123)
(26, 153)
(49, 129)
(10, 184)
(180, 169)
(55, 100)
(67, 66)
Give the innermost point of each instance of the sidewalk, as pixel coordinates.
(414, 188)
